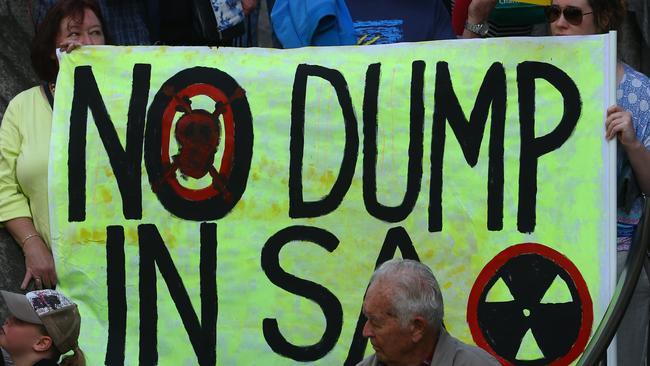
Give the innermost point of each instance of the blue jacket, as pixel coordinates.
(299, 23)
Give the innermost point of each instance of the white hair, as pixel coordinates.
(414, 289)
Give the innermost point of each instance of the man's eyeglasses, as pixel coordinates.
(572, 14)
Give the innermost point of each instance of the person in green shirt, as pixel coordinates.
(25, 137)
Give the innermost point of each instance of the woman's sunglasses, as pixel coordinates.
(572, 14)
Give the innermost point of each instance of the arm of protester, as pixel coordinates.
(68, 46)
(14, 205)
(478, 12)
(248, 6)
(619, 124)
(39, 263)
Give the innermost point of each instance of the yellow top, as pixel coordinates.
(24, 152)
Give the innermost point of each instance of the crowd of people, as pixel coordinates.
(403, 302)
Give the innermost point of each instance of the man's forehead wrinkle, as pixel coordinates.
(381, 294)
(383, 287)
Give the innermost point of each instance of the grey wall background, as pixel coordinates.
(16, 31)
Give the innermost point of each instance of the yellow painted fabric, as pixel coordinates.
(572, 209)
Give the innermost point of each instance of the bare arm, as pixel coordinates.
(248, 6)
(14, 205)
(39, 262)
(478, 12)
(619, 124)
(640, 161)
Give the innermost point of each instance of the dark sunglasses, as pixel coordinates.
(572, 14)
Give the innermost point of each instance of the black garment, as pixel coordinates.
(39, 363)
(176, 24)
(391, 21)
(46, 363)
(188, 23)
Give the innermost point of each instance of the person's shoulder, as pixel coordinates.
(468, 355)
(633, 93)
(28, 95)
(46, 362)
(27, 101)
(636, 78)
(369, 361)
(34, 90)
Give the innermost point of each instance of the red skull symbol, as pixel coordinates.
(198, 134)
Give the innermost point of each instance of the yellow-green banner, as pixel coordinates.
(228, 206)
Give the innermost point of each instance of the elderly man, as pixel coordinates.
(404, 308)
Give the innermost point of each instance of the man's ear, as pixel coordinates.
(418, 328)
(43, 344)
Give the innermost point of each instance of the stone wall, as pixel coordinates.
(16, 32)
(12, 267)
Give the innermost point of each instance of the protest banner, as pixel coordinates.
(228, 206)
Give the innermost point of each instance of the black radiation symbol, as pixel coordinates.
(528, 308)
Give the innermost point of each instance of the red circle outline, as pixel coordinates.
(225, 167)
(558, 258)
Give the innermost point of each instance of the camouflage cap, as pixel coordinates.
(50, 308)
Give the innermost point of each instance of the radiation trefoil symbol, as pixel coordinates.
(530, 306)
